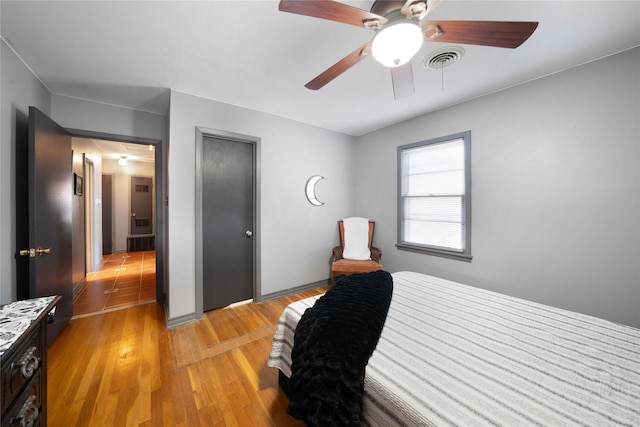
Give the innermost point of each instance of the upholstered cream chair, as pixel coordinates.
(355, 260)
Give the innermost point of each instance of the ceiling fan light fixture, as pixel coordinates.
(397, 43)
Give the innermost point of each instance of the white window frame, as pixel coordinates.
(463, 253)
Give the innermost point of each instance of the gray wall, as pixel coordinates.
(74, 113)
(555, 188)
(19, 89)
(556, 185)
(295, 238)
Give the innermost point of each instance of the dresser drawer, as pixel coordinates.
(21, 367)
(27, 410)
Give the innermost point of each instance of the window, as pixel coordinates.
(434, 196)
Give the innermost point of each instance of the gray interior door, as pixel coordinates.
(141, 205)
(50, 192)
(228, 218)
(107, 214)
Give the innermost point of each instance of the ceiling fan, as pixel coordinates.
(400, 29)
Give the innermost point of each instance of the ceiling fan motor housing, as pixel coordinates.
(385, 7)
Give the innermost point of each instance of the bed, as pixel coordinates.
(455, 355)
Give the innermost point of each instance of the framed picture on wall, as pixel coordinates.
(78, 185)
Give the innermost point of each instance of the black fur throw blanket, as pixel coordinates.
(333, 342)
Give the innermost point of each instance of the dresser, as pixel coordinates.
(23, 353)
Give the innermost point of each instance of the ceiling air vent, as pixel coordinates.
(443, 57)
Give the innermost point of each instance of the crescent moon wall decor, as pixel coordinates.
(311, 190)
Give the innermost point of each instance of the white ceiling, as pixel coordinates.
(249, 54)
(130, 151)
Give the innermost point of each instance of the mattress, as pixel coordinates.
(455, 355)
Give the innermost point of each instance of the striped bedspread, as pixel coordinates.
(455, 355)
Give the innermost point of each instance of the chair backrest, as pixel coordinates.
(372, 226)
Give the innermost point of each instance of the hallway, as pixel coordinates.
(124, 280)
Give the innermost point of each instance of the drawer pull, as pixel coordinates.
(28, 414)
(29, 363)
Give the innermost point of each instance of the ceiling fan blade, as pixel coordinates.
(486, 33)
(331, 10)
(340, 67)
(402, 80)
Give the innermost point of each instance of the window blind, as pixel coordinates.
(433, 187)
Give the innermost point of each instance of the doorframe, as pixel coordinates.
(161, 201)
(255, 142)
(89, 215)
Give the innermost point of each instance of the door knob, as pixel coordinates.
(28, 252)
(33, 252)
(248, 233)
(42, 251)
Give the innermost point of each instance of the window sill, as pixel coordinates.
(430, 251)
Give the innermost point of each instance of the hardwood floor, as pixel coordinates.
(125, 368)
(124, 280)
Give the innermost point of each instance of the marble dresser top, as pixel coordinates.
(16, 317)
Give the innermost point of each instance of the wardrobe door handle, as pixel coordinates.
(28, 414)
(29, 363)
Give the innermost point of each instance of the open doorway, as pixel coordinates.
(114, 264)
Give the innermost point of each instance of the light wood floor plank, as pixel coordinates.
(124, 368)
